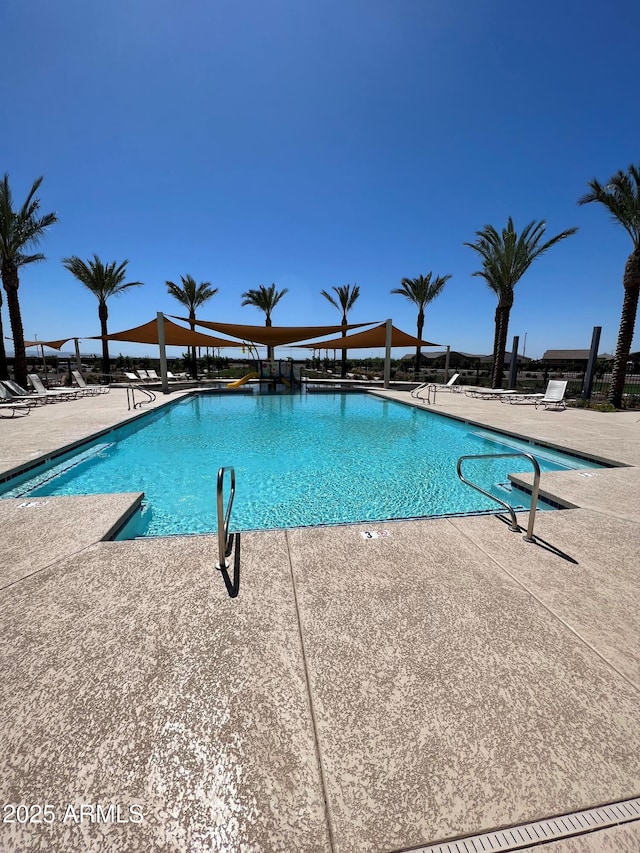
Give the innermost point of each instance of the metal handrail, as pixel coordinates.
(225, 542)
(131, 401)
(528, 537)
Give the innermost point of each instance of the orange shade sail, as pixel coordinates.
(52, 344)
(371, 339)
(174, 336)
(273, 335)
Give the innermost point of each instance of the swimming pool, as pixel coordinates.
(300, 460)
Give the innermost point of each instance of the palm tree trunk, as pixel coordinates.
(501, 342)
(416, 367)
(192, 350)
(267, 322)
(627, 323)
(4, 367)
(343, 367)
(10, 282)
(103, 314)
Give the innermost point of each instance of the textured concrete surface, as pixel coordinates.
(584, 569)
(130, 676)
(354, 695)
(446, 699)
(38, 532)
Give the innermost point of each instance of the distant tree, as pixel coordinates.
(346, 298)
(421, 291)
(621, 197)
(266, 299)
(505, 259)
(104, 281)
(192, 296)
(20, 230)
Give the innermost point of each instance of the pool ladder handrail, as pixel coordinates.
(514, 526)
(225, 542)
(132, 387)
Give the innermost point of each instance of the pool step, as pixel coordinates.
(56, 470)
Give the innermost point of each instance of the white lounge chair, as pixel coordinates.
(489, 393)
(151, 374)
(9, 403)
(92, 390)
(36, 383)
(437, 386)
(21, 395)
(554, 395)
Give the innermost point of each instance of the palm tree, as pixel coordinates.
(421, 291)
(192, 296)
(104, 281)
(266, 299)
(347, 296)
(505, 259)
(621, 197)
(20, 230)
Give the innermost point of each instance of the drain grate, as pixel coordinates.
(532, 834)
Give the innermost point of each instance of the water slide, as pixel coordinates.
(242, 381)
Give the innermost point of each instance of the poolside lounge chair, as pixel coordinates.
(92, 390)
(9, 403)
(142, 375)
(449, 386)
(554, 395)
(131, 377)
(67, 394)
(151, 374)
(21, 395)
(488, 393)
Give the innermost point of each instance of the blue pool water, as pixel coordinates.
(299, 460)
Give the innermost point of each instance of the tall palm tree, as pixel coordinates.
(621, 197)
(104, 281)
(266, 299)
(20, 230)
(192, 296)
(505, 259)
(347, 296)
(421, 291)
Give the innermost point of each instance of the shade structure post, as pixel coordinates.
(446, 364)
(163, 353)
(587, 385)
(513, 365)
(387, 353)
(78, 361)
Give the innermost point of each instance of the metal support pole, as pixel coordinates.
(587, 384)
(387, 353)
(163, 353)
(78, 361)
(446, 364)
(513, 364)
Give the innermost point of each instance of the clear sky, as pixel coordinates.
(315, 143)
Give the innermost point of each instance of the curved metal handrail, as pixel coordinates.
(225, 542)
(132, 387)
(528, 537)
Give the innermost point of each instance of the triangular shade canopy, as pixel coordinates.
(174, 335)
(274, 335)
(52, 344)
(371, 339)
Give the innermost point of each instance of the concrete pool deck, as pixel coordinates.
(334, 692)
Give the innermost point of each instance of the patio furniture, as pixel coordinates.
(92, 390)
(20, 394)
(554, 395)
(39, 388)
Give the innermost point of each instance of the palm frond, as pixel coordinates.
(621, 197)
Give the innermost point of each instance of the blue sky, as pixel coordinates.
(315, 144)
